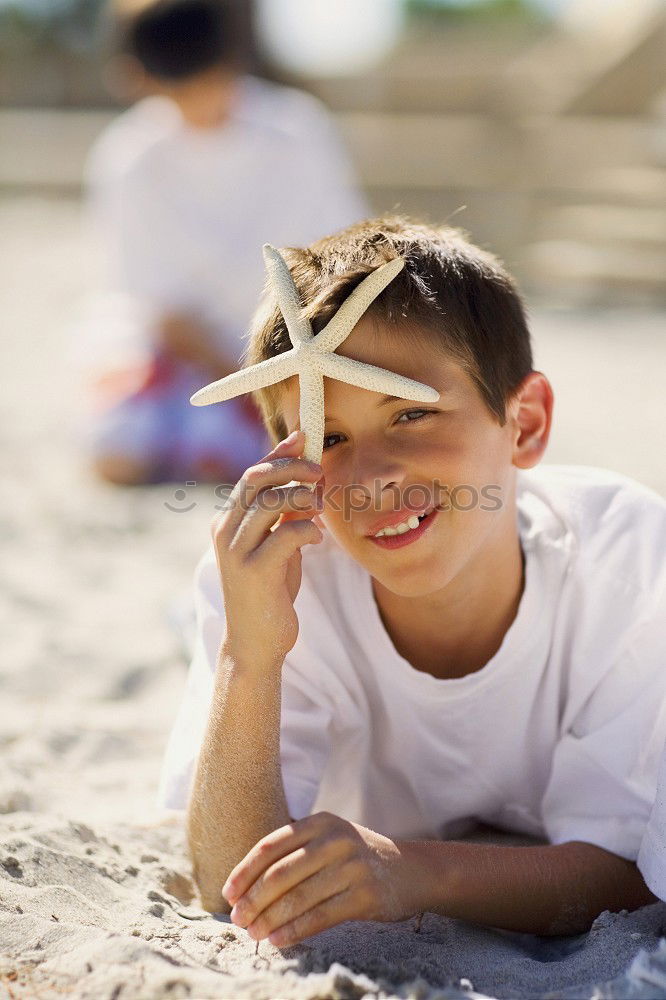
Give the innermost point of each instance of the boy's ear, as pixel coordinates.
(531, 414)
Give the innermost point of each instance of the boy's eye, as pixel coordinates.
(409, 413)
(410, 417)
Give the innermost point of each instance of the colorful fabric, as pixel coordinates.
(155, 423)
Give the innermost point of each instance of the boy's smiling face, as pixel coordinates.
(384, 461)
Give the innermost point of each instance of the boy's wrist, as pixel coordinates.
(241, 661)
(429, 875)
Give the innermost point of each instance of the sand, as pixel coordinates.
(96, 896)
(107, 911)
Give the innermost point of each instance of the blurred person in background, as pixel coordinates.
(184, 188)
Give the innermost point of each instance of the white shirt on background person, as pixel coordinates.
(182, 213)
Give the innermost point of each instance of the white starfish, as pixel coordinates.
(311, 357)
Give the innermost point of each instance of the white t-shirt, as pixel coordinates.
(558, 735)
(652, 854)
(182, 213)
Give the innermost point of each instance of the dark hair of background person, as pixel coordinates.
(177, 39)
(450, 295)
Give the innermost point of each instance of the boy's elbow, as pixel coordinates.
(209, 888)
(607, 882)
(213, 902)
(209, 884)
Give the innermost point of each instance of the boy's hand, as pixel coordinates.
(260, 568)
(315, 873)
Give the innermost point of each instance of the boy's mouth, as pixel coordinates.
(404, 532)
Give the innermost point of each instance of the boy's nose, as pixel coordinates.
(378, 474)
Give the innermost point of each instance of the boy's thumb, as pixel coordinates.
(292, 442)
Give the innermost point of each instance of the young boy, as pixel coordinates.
(354, 708)
(185, 187)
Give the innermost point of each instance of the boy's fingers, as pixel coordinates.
(279, 470)
(278, 879)
(255, 528)
(314, 497)
(281, 545)
(328, 913)
(299, 900)
(293, 444)
(270, 848)
(288, 876)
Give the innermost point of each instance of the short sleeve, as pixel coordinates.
(603, 781)
(305, 709)
(192, 717)
(652, 853)
(305, 730)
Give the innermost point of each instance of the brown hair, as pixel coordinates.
(450, 294)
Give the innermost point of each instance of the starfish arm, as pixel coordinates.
(311, 413)
(351, 310)
(376, 379)
(248, 379)
(282, 283)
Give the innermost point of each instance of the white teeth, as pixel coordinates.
(399, 529)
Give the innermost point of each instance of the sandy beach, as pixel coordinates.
(96, 894)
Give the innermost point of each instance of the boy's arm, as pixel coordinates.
(555, 889)
(237, 795)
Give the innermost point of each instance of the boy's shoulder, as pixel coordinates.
(614, 523)
(589, 493)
